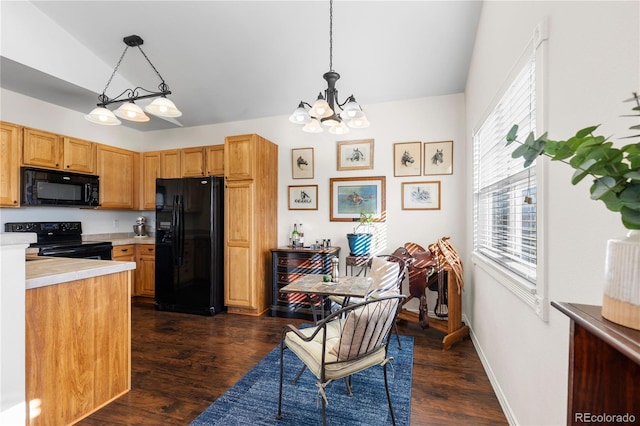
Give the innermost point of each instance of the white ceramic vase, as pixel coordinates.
(621, 301)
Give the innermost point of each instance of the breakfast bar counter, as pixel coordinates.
(44, 271)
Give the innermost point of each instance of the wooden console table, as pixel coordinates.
(604, 368)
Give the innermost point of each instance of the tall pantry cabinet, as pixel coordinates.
(251, 222)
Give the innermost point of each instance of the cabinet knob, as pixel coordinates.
(15, 201)
(57, 164)
(67, 166)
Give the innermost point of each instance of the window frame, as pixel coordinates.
(534, 296)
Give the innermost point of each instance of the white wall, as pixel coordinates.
(423, 120)
(593, 64)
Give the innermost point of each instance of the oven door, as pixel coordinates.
(103, 252)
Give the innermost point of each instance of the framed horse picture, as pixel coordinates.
(302, 163)
(407, 159)
(355, 155)
(352, 196)
(303, 197)
(438, 158)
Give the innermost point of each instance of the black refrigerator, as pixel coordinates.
(189, 245)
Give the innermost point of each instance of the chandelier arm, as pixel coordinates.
(132, 95)
(341, 105)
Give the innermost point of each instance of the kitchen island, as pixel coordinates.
(78, 337)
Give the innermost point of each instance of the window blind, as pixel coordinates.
(504, 191)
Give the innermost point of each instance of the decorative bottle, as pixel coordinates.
(294, 236)
(300, 237)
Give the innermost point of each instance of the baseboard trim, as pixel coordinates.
(502, 399)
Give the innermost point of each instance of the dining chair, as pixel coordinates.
(348, 341)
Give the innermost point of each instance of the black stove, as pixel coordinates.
(62, 239)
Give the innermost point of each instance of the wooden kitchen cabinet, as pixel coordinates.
(170, 164)
(118, 170)
(126, 253)
(78, 155)
(214, 160)
(41, 149)
(251, 222)
(145, 284)
(10, 149)
(192, 162)
(150, 172)
(240, 157)
(78, 347)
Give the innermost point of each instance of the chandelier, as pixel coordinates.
(323, 111)
(161, 107)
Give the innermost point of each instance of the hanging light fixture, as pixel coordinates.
(161, 106)
(323, 111)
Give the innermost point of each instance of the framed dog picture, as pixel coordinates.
(302, 163)
(438, 158)
(407, 159)
(303, 197)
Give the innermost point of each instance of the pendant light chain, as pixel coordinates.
(331, 35)
(115, 70)
(154, 68)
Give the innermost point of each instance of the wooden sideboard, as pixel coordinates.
(289, 264)
(604, 368)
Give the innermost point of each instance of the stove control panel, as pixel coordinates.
(47, 228)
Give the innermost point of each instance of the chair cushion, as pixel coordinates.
(385, 278)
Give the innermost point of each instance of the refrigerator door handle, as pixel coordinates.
(181, 228)
(175, 230)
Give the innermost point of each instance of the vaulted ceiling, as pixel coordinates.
(227, 61)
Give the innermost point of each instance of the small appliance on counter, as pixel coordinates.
(140, 227)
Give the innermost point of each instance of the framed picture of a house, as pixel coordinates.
(438, 158)
(355, 155)
(421, 195)
(302, 163)
(407, 159)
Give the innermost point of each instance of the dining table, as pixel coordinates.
(318, 287)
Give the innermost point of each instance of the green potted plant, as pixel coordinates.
(360, 239)
(616, 182)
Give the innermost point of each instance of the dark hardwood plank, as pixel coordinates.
(182, 363)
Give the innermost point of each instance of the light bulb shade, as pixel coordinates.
(339, 129)
(312, 127)
(320, 108)
(163, 107)
(351, 110)
(359, 123)
(331, 121)
(102, 115)
(300, 116)
(132, 112)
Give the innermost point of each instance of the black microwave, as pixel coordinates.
(57, 188)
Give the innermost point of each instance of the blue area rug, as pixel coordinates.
(253, 400)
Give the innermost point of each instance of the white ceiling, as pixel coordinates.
(236, 60)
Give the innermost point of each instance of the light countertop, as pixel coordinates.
(42, 271)
(132, 240)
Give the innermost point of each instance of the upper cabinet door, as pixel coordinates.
(192, 162)
(79, 155)
(9, 165)
(170, 164)
(150, 172)
(41, 149)
(239, 157)
(117, 171)
(215, 160)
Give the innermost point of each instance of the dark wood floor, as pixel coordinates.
(182, 363)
